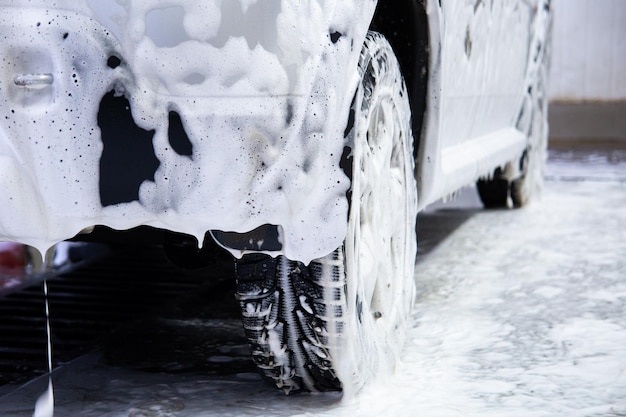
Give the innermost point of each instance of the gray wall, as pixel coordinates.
(589, 51)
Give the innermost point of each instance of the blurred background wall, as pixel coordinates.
(588, 73)
(589, 55)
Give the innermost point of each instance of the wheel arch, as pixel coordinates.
(405, 25)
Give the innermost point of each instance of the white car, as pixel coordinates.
(303, 136)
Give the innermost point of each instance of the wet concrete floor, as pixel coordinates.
(519, 313)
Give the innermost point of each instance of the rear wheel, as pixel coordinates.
(532, 165)
(494, 192)
(499, 191)
(336, 323)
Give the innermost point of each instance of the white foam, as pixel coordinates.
(45, 403)
(44, 407)
(265, 111)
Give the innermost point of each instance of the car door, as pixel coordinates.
(484, 53)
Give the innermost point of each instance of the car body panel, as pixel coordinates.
(266, 125)
(482, 64)
(260, 92)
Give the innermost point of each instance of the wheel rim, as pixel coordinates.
(382, 238)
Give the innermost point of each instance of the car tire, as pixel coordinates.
(494, 191)
(337, 323)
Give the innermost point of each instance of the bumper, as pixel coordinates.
(260, 128)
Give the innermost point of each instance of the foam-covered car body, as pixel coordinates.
(227, 115)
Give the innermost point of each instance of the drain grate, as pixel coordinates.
(88, 303)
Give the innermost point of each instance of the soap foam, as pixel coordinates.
(265, 117)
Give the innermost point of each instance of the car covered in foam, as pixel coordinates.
(303, 136)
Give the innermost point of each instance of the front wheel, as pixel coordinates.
(336, 323)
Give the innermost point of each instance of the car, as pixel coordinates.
(302, 136)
